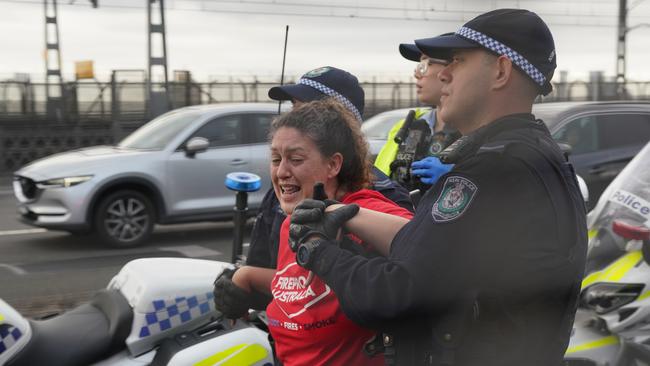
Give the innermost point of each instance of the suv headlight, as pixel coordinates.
(606, 297)
(63, 182)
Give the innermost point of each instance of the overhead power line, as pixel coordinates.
(438, 15)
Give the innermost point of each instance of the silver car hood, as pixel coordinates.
(76, 162)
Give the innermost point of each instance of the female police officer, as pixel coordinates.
(488, 271)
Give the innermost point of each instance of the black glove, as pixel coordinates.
(310, 219)
(230, 299)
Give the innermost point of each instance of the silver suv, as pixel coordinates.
(170, 170)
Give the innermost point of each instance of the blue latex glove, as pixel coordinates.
(430, 169)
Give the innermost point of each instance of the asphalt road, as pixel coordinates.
(42, 272)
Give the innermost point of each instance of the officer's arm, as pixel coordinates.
(259, 251)
(370, 291)
(375, 228)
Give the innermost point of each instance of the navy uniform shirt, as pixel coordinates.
(263, 249)
(505, 227)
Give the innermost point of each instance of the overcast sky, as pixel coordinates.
(216, 39)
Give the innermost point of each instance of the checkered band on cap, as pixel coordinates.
(501, 49)
(332, 93)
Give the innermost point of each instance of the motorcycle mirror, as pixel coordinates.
(631, 232)
(634, 232)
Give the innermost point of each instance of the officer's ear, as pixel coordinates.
(503, 72)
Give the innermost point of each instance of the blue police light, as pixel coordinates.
(243, 182)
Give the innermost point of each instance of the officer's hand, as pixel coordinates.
(310, 220)
(430, 169)
(231, 300)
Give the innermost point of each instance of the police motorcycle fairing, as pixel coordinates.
(626, 198)
(612, 323)
(155, 311)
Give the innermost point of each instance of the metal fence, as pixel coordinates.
(93, 113)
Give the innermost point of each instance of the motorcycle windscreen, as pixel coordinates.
(627, 198)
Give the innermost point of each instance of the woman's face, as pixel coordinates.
(296, 165)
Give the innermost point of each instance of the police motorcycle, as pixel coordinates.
(612, 325)
(155, 311)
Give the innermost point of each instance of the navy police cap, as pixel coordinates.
(410, 51)
(519, 34)
(321, 83)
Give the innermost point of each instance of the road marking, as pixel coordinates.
(22, 232)
(193, 251)
(14, 269)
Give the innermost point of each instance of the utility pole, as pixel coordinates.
(621, 49)
(53, 80)
(159, 101)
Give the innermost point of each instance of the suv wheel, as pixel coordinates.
(124, 218)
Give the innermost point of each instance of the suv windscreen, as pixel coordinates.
(156, 134)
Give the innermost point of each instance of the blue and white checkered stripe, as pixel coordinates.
(501, 49)
(332, 93)
(171, 313)
(9, 335)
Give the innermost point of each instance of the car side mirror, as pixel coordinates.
(196, 145)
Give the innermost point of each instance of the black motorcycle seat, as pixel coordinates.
(81, 336)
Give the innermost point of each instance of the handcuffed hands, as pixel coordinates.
(309, 221)
(430, 169)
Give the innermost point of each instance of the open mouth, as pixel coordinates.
(289, 190)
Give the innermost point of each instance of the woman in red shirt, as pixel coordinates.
(316, 142)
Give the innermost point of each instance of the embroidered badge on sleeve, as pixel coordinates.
(454, 199)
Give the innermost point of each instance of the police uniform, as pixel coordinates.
(488, 271)
(439, 141)
(263, 249)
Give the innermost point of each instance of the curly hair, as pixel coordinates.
(333, 129)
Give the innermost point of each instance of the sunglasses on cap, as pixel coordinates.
(423, 66)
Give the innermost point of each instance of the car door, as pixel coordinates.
(602, 144)
(197, 182)
(257, 136)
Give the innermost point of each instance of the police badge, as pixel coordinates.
(317, 72)
(454, 198)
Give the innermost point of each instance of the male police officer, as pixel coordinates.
(488, 271)
(319, 83)
(428, 88)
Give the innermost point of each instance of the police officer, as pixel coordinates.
(488, 271)
(428, 87)
(320, 83)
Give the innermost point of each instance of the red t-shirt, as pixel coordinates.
(307, 324)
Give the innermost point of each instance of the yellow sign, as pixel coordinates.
(84, 70)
